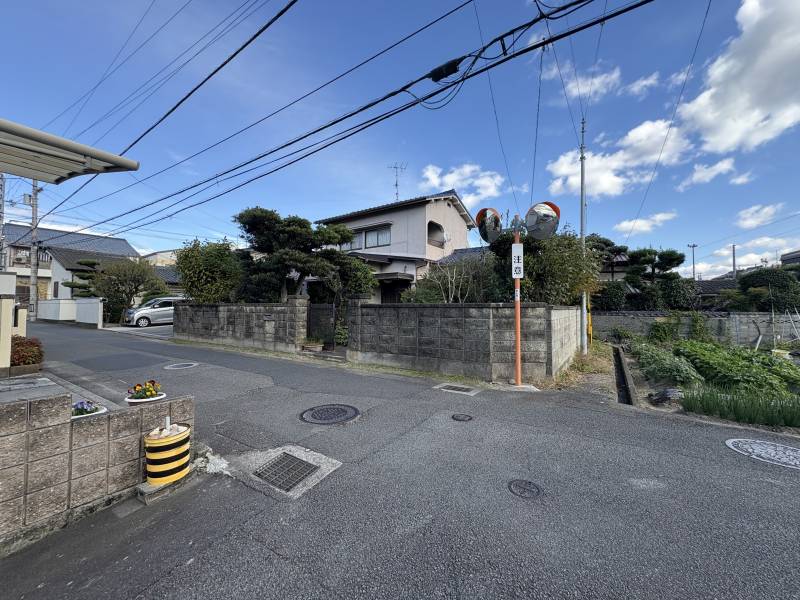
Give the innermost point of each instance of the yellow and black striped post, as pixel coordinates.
(167, 459)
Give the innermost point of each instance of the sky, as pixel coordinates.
(726, 173)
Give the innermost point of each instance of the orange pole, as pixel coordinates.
(517, 322)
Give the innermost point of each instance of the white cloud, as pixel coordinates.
(592, 85)
(471, 182)
(642, 86)
(772, 243)
(757, 215)
(705, 173)
(742, 178)
(613, 173)
(676, 79)
(750, 94)
(644, 224)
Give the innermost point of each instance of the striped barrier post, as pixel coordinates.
(167, 459)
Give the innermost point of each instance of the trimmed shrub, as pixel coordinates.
(648, 299)
(26, 351)
(610, 297)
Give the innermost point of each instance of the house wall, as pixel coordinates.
(279, 327)
(445, 214)
(475, 340)
(56, 310)
(54, 469)
(737, 328)
(409, 230)
(61, 275)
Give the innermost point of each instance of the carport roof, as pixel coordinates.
(35, 154)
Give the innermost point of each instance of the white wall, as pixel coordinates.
(60, 274)
(409, 230)
(57, 310)
(444, 212)
(89, 310)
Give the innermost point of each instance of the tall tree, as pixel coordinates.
(652, 264)
(210, 271)
(122, 281)
(607, 251)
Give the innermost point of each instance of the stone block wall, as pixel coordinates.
(54, 468)
(279, 327)
(740, 328)
(476, 340)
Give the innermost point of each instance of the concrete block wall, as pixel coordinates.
(740, 328)
(54, 468)
(280, 327)
(475, 340)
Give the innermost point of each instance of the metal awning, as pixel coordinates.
(34, 154)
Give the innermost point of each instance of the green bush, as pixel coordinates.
(621, 334)
(786, 370)
(745, 405)
(726, 367)
(679, 293)
(659, 364)
(664, 331)
(610, 297)
(648, 299)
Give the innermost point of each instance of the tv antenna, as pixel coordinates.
(398, 169)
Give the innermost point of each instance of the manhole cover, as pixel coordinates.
(178, 366)
(776, 454)
(285, 471)
(456, 389)
(524, 488)
(460, 417)
(329, 414)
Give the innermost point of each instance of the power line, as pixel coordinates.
(108, 68)
(671, 121)
(393, 112)
(494, 111)
(126, 59)
(284, 107)
(536, 129)
(189, 94)
(135, 94)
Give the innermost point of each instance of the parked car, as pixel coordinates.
(158, 311)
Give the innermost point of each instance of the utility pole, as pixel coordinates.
(693, 246)
(34, 300)
(584, 295)
(517, 270)
(734, 261)
(2, 222)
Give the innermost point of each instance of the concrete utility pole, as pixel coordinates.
(2, 222)
(734, 261)
(693, 246)
(34, 300)
(584, 295)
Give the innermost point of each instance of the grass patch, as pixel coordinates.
(745, 405)
(660, 364)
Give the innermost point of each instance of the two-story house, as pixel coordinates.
(401, 239)
(53, 274)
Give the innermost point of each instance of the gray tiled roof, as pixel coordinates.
(460, 253)
(69, 257)
(20, 234)
(715, 286)
(168, 274)
(401, 204)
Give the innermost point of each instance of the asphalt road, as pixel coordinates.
(633, 505)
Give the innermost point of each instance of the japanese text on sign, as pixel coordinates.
(516, 261)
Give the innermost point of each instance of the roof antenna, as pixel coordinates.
(398, 168)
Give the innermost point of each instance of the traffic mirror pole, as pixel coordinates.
(517, 271)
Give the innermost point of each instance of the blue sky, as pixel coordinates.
(727, 173)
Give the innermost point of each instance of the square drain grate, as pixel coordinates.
(457, 389)
(285, 471)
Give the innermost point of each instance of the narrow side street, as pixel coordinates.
(632, 504)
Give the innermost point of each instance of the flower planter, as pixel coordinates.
(100, 410)
(134, 401)
(24, 369)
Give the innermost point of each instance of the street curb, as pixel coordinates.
(76, 389)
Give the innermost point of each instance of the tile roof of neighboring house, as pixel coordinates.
(460, 253)
(14, 232)
(168, 274)
(403, 204)
(712, 287)
(69, 257)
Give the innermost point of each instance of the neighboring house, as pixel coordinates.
(790, 258)
(18, 255)
(399, 240)
(65, 267)
(162, 258)
(170, 276)
(615, 269)
(709, 290)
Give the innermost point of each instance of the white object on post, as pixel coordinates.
(516, 261)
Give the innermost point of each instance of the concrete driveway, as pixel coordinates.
(163, 332)
(632, 504)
